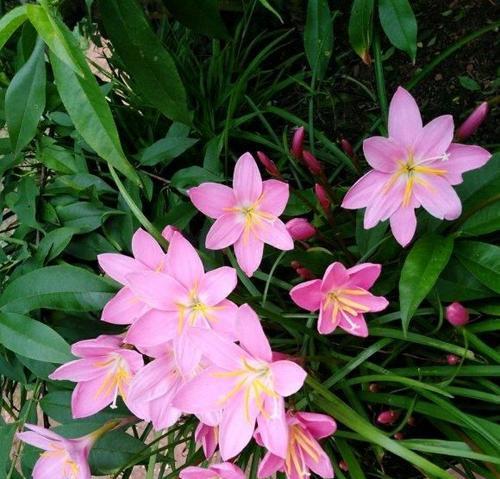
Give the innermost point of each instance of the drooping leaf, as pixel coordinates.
(361, 28)
(399, 24)
(420, 271)
(266, 4)
(10, 22)
(23, 201)
(32, 339)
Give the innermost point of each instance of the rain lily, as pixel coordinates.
(347, 147)
(300, 229)
(472, 122)
(224, 470)
(304, 454)
(457, 315)
(342, 297)
(322, 197)
(184, 298)
(168, 232)
(246, 215)
(125, 307)
(452, 359)
(416, 166)
(268, 164)
(208, 437)
(312, 163)
(298, 143)
(246, 383)
(103, 373)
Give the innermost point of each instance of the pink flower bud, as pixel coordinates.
(300, 229)
(312, 163)
(298, 143)
(347, 147)
(388, 417)
(322, 196)
(304, 273)
(374, 388)
(169, 231)
(451, 359)
(399, 436)
(343, 466)
(457, 315)
(268, 164)
(295, 264)
(472, 122)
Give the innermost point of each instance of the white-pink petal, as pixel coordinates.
(212, 199)
(247, 181)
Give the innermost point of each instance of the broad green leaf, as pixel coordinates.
(62, 287)
(53, 244)
(201, 16)
(300, 203)
(84, 216)
(165, 150)
(481, 184)
(32, 339)
(367, 240)
(78, 184)
(58, 158)
(7, 432)
(420, 271)
(361, 28)
(10, 22)
(151, 67)
(23, 201)
(318, 36)
(399, 24)
(25, 99)
(266, 4)
(484, 221)
(193, 176)
(482, 260)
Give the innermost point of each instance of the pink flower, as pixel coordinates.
(304, 454)
(180, 299)
(168, 232)
(104, 372)
(342, 297)
(472, 122)
(224, 470)
(298, 143)
(268, 164)
(300, 229)
(416, 166)
(208, 437)
(457, 315)
(246, 383)
(246, 215)
(126, 307)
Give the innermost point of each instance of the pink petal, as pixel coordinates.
(79, 370)
(355, 325)
(226, 470)
(275, 234)
(90, 397)
(216, 285)
(225, 231)
(364, 275)
(119, 266)
(319, 425)
(269, 465)
(247, 182)
(325, 323)
(99, 346)
(168, 232)
(405, 122)
(307, 295)
(273, 427)
(249, 250)
(375, 303)
(288, 377)
(123, 308)
(163, 415)
(50, 467)
(335, 276)
(383, 154)
(212, 199)
(183, 262)
(322, 467)
(438, 198)
(434, 139)
(225, 319)
(403, 224)
(193, 472)
(187, 355)
(155, 327)
(362, 192)
(147, 250)
(39, 437)
(463, 158)
(274, 197)
(251, 335)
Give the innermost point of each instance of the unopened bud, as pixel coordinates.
(451, 359)
(343, 466)
(388, 417)
(300, 229)
(295, 264)
(268, 164)
(399, 436)
(322, 196)
(347, 147)
(457, 315)
(312, 163)
(304, 273)
(412, 421)
(472, 122)
(374, 388)
(298, 143)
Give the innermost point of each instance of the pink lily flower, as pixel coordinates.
(416, 166)
(342, 297)
(304, 454)
(246, 383)
(125, 307)
(225, 470)
(184, 298)
(103, 373)
(208, 437)
(246, 215)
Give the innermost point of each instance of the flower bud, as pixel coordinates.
(451, 359)
(298, 143)
(268, 164)
(472, 122)
(295, 264)
(322, 196)
(169, 231)
(374, 388)
(412, 421)
(399, 436)
(343, 466)
(300, 229)
(304, 273)
(457, 315)
(312, 163)
(388, 417)
(347, 147)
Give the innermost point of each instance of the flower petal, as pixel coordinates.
(216, 285)
(405, 122)
(273, 427)
(183, 262)
(307, 295)
(326, 325)
(364, 275)
(212, 199)
(288, 377)
(193, 472)
(99, 346)
(434, 139)
(383, 154)
(439, 198)
(249, 250)
(319, 425)
(90, 397)
(362, 192)
(225, 231)
(225, 319)
(124, 308)
(463, 158)
(322, 466)
(275, 234)
(147, 250)
(403, 224)
(355, 325)
(335, 276)
(187, 356)
(79, 370)
(153, 328)
(119, 266)
(274, 197)
(251, 335)
(269, 465)
(247, 182)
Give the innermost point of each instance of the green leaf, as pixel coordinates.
(318, 36)
(269, 7)
(23, 201)
(62, 287)
(193, 176)
(32, 339)
(7, 432)
(361, 28)
(58, 158)
(151, 67)
(84, 216)
(25, 99)
(484, 221)
(165, 150)
(420, 271)
(10, 22)
(469, 83)
(399, 24)
(53, 244)
(482, 260)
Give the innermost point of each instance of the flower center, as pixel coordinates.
(341, 303)
(300, 445)
(116, 380)
(193, 310)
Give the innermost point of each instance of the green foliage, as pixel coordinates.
(361, 28)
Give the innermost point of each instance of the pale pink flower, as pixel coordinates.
(103, 373)
(342, 297)
(180, 299)
(472, 122)
(246, 215)
(246, 383)
(416, 166)
(168, 232)
(225, 470)
(304, 454)
(208, 437)
(457, 315)
(300, 229)
(125, 307)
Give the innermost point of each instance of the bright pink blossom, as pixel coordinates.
(168, 232)
(472, 122)
(300, 229)
(457, 315)
(125, 307)
(304, 454)
(225, 470)
(182, 298)
(103, 373)
(246, 215)
(246, 383)
(342, 297)
(208, 437)
(416, 166)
